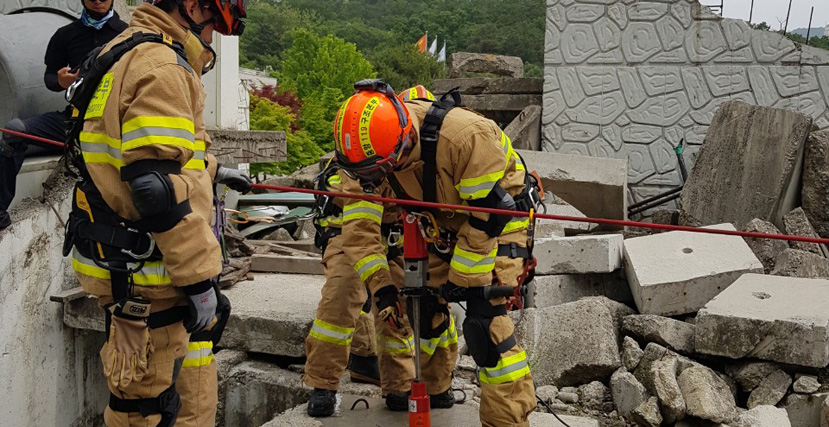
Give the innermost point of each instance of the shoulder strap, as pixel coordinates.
(429, 134)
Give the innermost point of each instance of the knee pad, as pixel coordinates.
(483, 350)
(429, 307)
(167, 404)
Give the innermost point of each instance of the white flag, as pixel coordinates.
(442, 54)
(433, 49)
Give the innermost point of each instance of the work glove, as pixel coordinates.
(234, 179)
(388, 306)
(127, 349)
(202, 301)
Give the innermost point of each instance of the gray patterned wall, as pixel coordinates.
(630, 78)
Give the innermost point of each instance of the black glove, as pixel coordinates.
(234, 179)
(388, 306)
(202, 301)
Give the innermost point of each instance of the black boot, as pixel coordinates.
(442, 400)
(398, 401)
(364, 369)
(322, 403)
(5, 220)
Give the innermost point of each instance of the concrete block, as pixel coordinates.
(706, 395)
(647, 414)
(465, 415)
(501, 65)
(766, 250)
(595, 186)
(749, 166)
(764, 416)
(525, 130)
(750, 374)
(806, 384)
(797, 263)
(272, 314)
(564, 288)
(257, 391)
(579, 254)
(502, 108)
(815, 191)
(770, 318)
(805, 410)
(631, 353)
(484, 85)
(771, 390)
(569, 228)
(678, 272)
(235, 146)
(674, 334)
(628, 392)
(574, 343)
(797, 224)
(270, 263)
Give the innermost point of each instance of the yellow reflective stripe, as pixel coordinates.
(516, 223)
(365, 126)
(101, 148)
(199, 353)
(393, 345)
(509, 152)
(334, 180)
(370, 265)
(472, 263)
(333, 220)
(146, 130)
(152, 274)
(447, 338)
(330, 333)
(478, 187)
(508, 369)
(363, 210)
(197, 162)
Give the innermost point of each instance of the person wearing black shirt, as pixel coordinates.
(67, 48)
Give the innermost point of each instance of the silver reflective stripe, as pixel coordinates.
(354, 211)
(395, 343)
(146, 270)
(100, 147)
(157, 131)
(476, 188)
(329, 333)
(460, 259)
(444, 338)
(371, 264)
(198, 354)
(198, 155)
(494, 373)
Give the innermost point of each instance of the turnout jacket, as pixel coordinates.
(150, 106)
(473, 155)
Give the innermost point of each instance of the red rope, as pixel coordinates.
(416, 203)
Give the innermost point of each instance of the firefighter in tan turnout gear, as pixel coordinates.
(142, 211)
(434, 152)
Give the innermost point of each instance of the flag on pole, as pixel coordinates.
(442, 54)
(421, 44)
(433, 49)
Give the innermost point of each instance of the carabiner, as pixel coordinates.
(146, 254)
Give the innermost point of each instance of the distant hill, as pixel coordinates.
(816, 32)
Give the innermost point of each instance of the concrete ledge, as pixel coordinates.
(34, 172)
(235, 146)
(579, 254)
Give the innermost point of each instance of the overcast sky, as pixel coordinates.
(770, 10)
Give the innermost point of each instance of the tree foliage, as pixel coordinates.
(302, 149)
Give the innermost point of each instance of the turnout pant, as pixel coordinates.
(176, 361)
(50, 125)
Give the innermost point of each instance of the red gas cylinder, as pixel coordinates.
(419, 406)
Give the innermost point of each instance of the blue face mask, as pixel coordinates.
(95, 23)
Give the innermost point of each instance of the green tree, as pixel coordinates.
(403, 66)
(302, 150)
(268, 32)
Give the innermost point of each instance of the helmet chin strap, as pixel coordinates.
(194, 27)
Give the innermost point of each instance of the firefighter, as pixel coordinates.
(340, 323)
(434, 152)
(142, 212)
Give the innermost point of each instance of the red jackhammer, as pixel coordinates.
(416, 274)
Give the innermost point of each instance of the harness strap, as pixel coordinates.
(513, 251)
(148, 406)
(429, 134)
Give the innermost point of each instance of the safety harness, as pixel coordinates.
(119, 245)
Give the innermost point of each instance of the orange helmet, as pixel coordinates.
(417, 92)
(371, 131)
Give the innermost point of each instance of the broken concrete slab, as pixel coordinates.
(226, 361)
(465, 415)
(269, 263)
(251, 146)
(774, 318)
(749, 375)
(501, 65)
(525, 130)
(771, 390)
(805, 410)
(766, 250)
(763, 416)
(484, 85)
(806, 384)
(758, 151)
(563, 288)
(815, 191)
(257, 391)
(570, 228)
(678, 272)
(647, 414)
(272, 314)
(579, 254)
(628, 393)
(631, 353)
(706, 395)
(797, 263)
(674, 334)
(796, 223)
(573, 343)
(663, 384)
(502, 108)
(595, 186)
(593, 395)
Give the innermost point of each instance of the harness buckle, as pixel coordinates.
(395, 239)
(144, 255)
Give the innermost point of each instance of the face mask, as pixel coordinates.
(89, 21)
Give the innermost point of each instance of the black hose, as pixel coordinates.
(354, 405)
(550, 409)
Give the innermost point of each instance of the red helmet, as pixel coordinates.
(229, 14)
(371, 131)
(417, 92)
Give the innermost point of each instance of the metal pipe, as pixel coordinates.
(656, 197)
(751, 12)
(654, 204)
(809, 28)
(788, 13)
